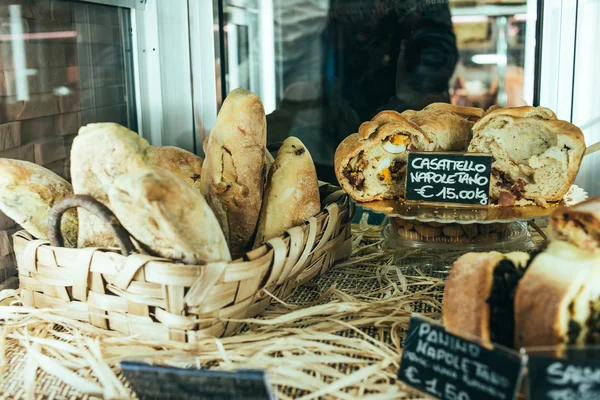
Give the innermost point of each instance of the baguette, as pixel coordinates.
(233, 172)
(168, 216)
(292, 194)
(28, 192)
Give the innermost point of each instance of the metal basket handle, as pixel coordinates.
(93, 206)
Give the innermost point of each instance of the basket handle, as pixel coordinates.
(93, 206)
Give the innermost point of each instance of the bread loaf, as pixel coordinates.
(233, 171)
(101, 153)
(168, 216)
(371, 164)
(535, 155)
(292, 194)
(28, 192)
(185, 164)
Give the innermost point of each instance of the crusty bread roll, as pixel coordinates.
(478, 297)
(536, 156)
(292, 194)
(556, 302)
(234, 169)
(168, 216)
(27, 194)
(447, 127)
(101, 153)
(371, 164)
(579, 225)
(182, 162)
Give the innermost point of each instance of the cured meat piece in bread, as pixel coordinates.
(168, 216)
(100, 154)
(182, 162)
(27, 194)
(292, 194)
(579, 225)
(535, 155)
(371, 164)
(234, 169)
(479, 293)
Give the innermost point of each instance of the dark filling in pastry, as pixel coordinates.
(396, 170)
(574, 329)
(501, 302)
(355, 175)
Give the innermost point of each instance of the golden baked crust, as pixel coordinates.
(367, 128)
(182, 162)
(233, 172)
(557, 277)
(354, 144)
(168, 216)
(27, 194)
(460, 110)
(292, 193)
(579, 224)
(469, 284)
(519, 112)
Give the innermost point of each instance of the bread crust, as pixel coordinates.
(234, 169)
(168, 216)
(367, 128)
(292, 192)
(544, 293)
(460, 110)
(469, 284)
(27, 194)
(567, 135)
(182, 162)
(354, 144)
(101, 152)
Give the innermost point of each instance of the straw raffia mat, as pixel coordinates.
(339, 336)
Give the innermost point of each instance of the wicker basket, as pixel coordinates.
(159, 299)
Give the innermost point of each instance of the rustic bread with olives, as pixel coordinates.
(292, 193)
(554, 301)
(372, 167)
(478, 295)
(182, 162)
(536, 156)
(27, 194)
(234, 169)
(168, 216)
(101, 153)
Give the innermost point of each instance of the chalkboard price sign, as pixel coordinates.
(449, 177)
(558, 379)
(449, 367)
(165, 383)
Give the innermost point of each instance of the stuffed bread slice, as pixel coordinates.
(557, 300)
(479, 292)
(447, 127)
(371, 164)
(535, 155)
(578, 225)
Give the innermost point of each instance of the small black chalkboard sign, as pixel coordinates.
(165, 383)
(449, 177)
(450, 367)
(558, 379)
